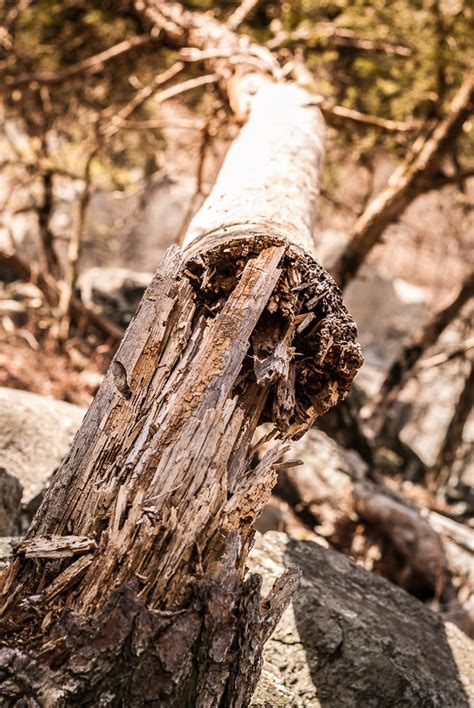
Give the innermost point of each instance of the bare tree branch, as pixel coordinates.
(74, 251)
(406, 360)
(327, 35)
(415, 176)
(48, 256)
(91, 65)
(449, 355)
(334, 112)
(453, 438)
(13, 262)
(241, 13)
(120, 119)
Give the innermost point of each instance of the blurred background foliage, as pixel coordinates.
(397, 59)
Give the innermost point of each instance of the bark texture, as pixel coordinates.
(133, 566)
(270, 176)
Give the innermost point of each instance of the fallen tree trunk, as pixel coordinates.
(332, 494)
(129, 586)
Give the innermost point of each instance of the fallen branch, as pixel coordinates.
(332, 494)
(449, 355)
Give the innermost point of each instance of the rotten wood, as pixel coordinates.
(161, 485)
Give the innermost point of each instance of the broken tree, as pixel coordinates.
(129, 586)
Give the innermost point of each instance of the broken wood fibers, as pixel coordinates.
(161, 470)
(129, 585)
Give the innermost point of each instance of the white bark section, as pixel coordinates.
(270, 177)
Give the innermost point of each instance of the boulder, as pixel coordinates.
(351, 639)
(10, 504)
(116, 292)
(35, 434)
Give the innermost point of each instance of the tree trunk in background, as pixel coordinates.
(48, 256)
(454, 434)
(402, 367)
(129, 586)
(412, 178)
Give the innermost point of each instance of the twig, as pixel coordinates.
(448, 355)
(442, 179)
(185, 86)
(117, 118)
(92, 64)
(157, 124)
(326, 35)
(392, 126)
(241, 14)
(74, 252)
(333, 113)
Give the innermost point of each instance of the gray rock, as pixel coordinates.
(351, 639)
(116, 291)
(7, 544)
(10, 504)
(35, 434)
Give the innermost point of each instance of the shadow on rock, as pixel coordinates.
(369, 644)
